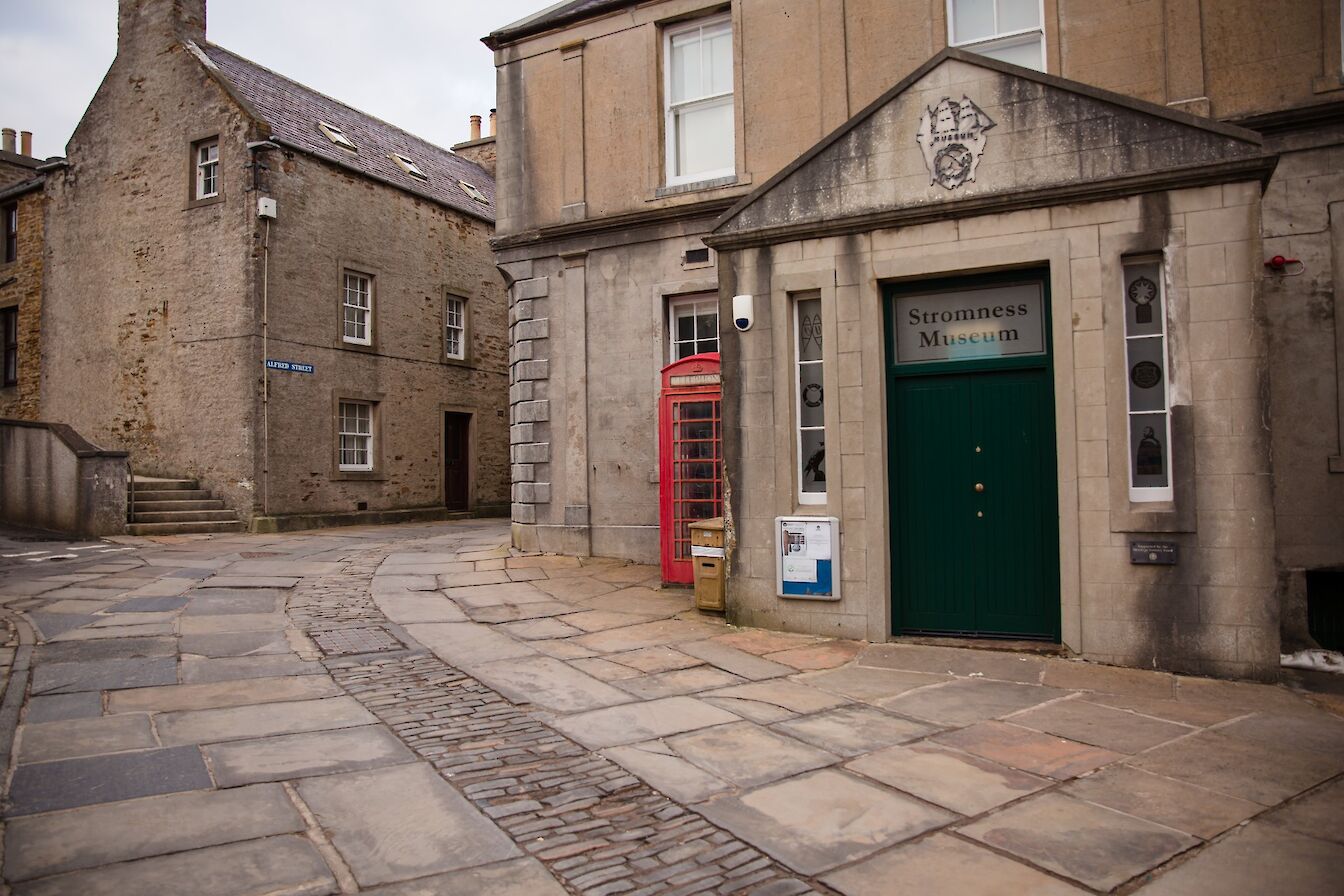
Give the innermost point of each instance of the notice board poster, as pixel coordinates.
(807, 554)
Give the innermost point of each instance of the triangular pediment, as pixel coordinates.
(967, 135)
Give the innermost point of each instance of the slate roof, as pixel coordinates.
(565, 13)
(292, 111)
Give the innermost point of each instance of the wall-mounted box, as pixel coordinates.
(807, 557)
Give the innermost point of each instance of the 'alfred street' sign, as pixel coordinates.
(291, 366)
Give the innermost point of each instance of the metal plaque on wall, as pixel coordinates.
(1153, 553)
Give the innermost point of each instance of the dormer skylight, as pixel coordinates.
(474, 193)
(337, 136)
(408, 166)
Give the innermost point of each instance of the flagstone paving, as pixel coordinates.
(417, 710)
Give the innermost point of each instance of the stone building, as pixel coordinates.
(22, 209)
(1006, 312)
(256, 286)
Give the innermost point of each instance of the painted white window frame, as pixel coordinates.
(207, 169)
(337, 136)
(671, 110)
(348, 426)
(805, 497)
(999, 39)
(700, 305)
(454, 327)
(1148, 494)
(355, 313)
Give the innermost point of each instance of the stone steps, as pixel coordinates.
(162, 506)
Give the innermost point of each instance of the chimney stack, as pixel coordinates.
(492, 122)
(9, 137)
(475, 129)
(26, 142)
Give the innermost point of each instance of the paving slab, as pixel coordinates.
(103, 675)
(53, 624)
(225, 693)
(1030, 751)
(1318, 732)
(958, 781)
(58, 707)
(303, 755)
(542, 561)
(195, 670)
(1095, 846)
(738, 662)
(397, 584)
(114, 649)
(204, 726)
(425, 569)
(1185, 807)
(149, 605)
(661, 768)
(548, 683)
(747, 754)
(790, 695)
(996, 665)
(518, 612)
(601, 620)
(562, 649)
(681, 681)
(826, 655)
(297, 568)
(575, 589)
(515, 877)
(233, 622)
(943, 864)
(644, 601)
(46, 741)
(1101, 726)
(475, 577)
(165, 587)
(403, 822)
(636, 722)
(868, 684)
(1186, 712)
(91, 632)
(1258, 860)
(819, 821)
(1264, 775)
(418, 606)
(494, 595)
(41, 845)
(851, 730)
(109, 619)
(288, 864)
(467, 644)
(419, 558)
(965, 701)
(539, 629)
(67, 783)
(1077, 675)
(652, 660)
(221, 601)
(1318, 814)
(601, 669)
(230, 581)
(224, 644)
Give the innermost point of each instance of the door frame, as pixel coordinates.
(470, 414)
(887, 291)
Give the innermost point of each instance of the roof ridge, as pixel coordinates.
(338, 102)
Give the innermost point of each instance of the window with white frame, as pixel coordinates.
(207, 169)
(811, 400)
(357, 309)
(356, 436)
(698, 100)
(455, 327)
(693, 326)
(1008, 30)
(1148, 405)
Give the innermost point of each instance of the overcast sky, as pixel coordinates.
(418, 64)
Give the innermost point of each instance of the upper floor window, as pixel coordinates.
(11, 215)
(207, 169)
(357, 309)
(9, 345)
(693, 326)
(1008, 30)
(455, 328)
(698, 100)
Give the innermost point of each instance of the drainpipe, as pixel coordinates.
(255, 148)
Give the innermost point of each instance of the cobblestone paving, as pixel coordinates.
(597, 827)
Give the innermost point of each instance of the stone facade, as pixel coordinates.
(171, 304)
(21, 287)
(593, 234)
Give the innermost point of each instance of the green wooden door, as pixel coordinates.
(974, 496)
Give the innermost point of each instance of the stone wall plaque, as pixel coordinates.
(1153, 553)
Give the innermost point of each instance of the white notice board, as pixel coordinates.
(807, 557)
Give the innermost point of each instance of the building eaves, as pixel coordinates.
(558, 16)
(290, 112)
(22, 188)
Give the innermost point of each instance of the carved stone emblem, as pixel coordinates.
(952, 137)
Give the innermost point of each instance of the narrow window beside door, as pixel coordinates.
(1146, 381)
(811, 401)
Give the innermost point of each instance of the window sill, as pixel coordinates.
(700, 186)
(200, 203)
(460, 362)
(358, 347)
(358, 476)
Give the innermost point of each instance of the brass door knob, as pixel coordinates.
(979, 486)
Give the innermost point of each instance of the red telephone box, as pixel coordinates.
(690, 453)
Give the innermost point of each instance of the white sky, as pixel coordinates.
(418, 64)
